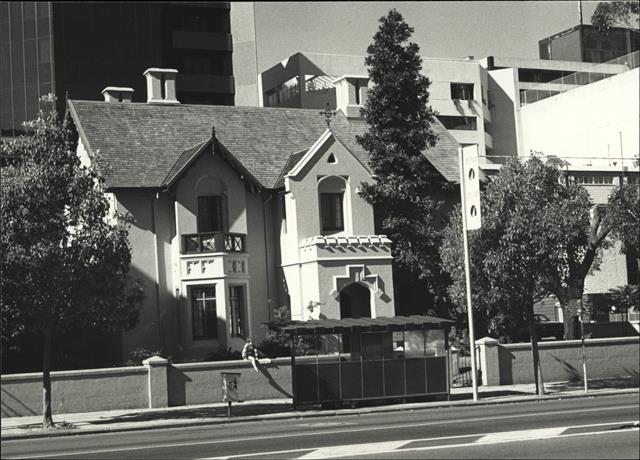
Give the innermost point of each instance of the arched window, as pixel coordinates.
(332, 204)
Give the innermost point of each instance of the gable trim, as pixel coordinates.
(311, 153)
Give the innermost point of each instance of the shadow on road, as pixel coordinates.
(237, 409)
(619, 383)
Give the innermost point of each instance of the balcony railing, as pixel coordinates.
(585, 77)
(195, 243)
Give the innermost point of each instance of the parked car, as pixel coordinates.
(544, 328)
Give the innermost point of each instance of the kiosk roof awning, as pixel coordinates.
(332, 326)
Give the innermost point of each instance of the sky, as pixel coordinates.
(451, 29)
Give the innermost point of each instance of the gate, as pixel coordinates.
(461, 368)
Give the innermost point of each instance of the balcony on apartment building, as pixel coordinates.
(213, 255)
(534, 92)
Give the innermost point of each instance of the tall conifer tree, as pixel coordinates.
(407, 188)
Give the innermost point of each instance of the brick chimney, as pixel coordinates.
(351, 94)
(117, 94)
(161, 85)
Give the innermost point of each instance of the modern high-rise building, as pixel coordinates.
(82, 47)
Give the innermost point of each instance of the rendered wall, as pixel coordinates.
(76, 391)
(597, 120)
(140, 204)
(562, 360)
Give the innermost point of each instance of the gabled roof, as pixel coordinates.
(149, 145)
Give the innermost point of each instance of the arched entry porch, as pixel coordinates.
(355, 301)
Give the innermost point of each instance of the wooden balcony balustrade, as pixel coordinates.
(196, 243)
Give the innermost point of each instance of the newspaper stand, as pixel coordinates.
(358, 359)
(230, 385)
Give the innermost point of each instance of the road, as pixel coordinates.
(591, 427)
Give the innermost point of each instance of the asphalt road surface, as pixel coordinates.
(591, 427)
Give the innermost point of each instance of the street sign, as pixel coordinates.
(471, 186)
(230, 382)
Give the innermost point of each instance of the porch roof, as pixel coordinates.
(380, 324)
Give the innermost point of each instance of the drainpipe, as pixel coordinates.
(154, 201)
(266, 251)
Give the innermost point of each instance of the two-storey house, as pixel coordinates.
(238, 211)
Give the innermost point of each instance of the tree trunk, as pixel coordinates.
(47, 420)
(537, 367)
(570, 303)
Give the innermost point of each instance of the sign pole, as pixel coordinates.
(467, 272)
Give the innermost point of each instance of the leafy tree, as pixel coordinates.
(594, 229)
(407, 189)
(64, 259)
(540, 235)
(515, 252)
(616, 13)
(496, 312)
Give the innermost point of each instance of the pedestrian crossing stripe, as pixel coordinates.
(372, 448)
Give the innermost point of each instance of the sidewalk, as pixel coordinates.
(208, 414)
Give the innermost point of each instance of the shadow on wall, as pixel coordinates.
(177, 381)
(573, 376)
(264, 369)
(13, 407)
(505, 362)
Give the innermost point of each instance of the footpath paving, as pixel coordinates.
(251, 411)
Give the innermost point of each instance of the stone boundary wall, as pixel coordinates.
(505, 364)
(160, 384)
(155, 384)
(76, 391)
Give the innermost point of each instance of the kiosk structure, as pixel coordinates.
(357, 359)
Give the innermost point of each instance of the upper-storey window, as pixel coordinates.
(594, 180)
(331, 192)
(332, 211)
(210, 214)
(462, 91)
(458, 122)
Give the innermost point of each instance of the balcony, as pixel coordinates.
(199, 243)
(207, 256)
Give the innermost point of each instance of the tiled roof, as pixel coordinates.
(147, 145)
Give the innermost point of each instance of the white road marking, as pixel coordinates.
(354, 449)
(521, 435)
(351, 450)
(320, 433)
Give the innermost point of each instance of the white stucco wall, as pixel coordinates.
(598, 121)
(309, 276)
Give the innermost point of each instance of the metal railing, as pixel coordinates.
(195, 243)
(575, 80)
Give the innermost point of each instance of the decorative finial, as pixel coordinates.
(213, 131)
(328, 114)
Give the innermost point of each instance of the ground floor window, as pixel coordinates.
(203, 310)
(236, 303)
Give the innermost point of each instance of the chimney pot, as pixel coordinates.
(161, 85)
(117, 94)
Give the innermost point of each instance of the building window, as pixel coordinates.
(203, 311)
(236, 306)
(332, 212)
(462, 91)
(331, 197)
(594, 180)
(456, 122)
(210, 214)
